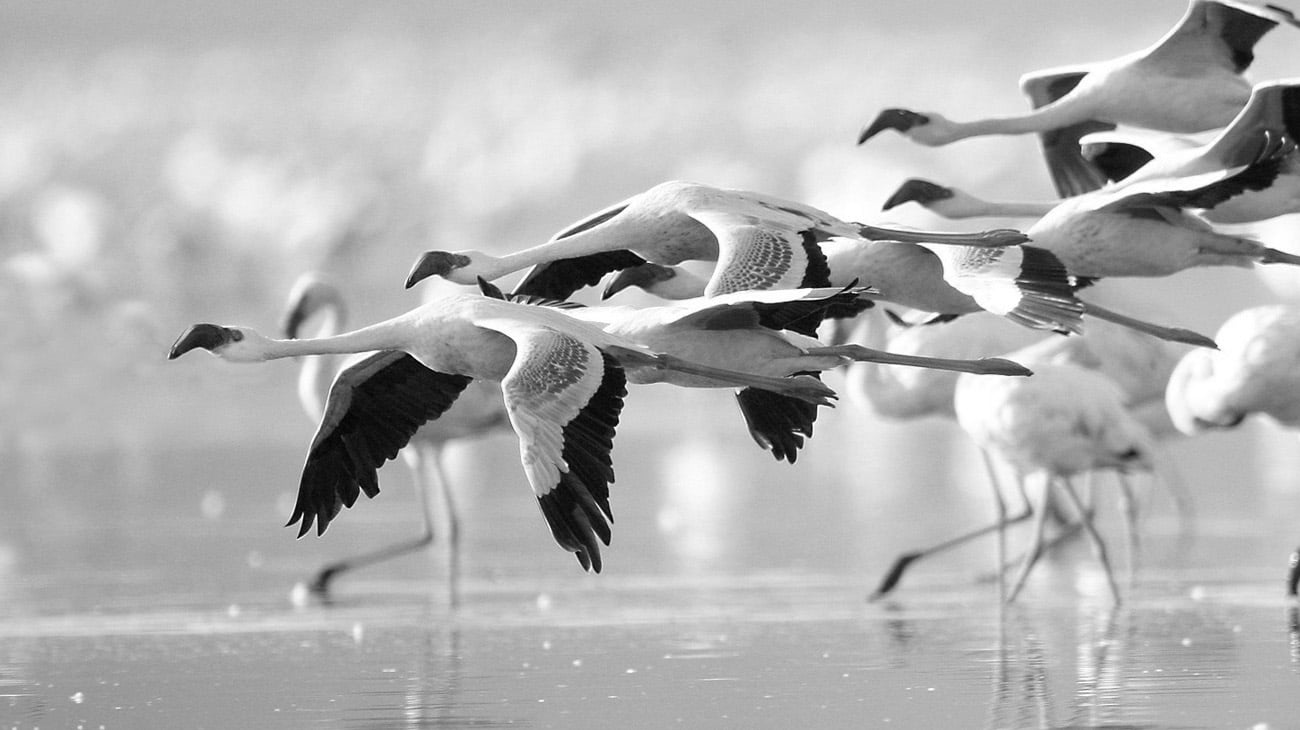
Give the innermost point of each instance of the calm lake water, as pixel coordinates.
(153, 589)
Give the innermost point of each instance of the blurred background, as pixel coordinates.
(167, 163)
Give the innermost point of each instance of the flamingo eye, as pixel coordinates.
(236, 335)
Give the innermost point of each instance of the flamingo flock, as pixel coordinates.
(997, 328)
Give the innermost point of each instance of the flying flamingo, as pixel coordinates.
(478, 411)
(1189, 81)
(563, 382)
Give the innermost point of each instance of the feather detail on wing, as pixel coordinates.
(373, 409)
(755, 254)
(564, 398)
(1026, 284)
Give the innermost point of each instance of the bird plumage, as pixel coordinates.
(562, 381)
(1188, 81)
(760, 241)
(341, 399)
(1256, 370)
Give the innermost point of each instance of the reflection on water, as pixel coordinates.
(733, 595)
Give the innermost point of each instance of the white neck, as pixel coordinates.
(603, 237)
(386, 335)
(1042, 119)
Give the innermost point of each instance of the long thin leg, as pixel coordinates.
(415, 454)
(1098, 545)
(1293, 573)
(1000, 507)
(981, 366)
(895, 573)
(901, 564)
(1128, 507)
(439, 477)
(1173, 334)
(994, 238)
(1031, 557)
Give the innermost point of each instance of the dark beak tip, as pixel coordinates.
(414, 276)
(897, 119)
(206, 336)
(917, 191)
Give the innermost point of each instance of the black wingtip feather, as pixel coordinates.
(577, 509)
(559, 279)
(777, 423)
(382, 413)
(1047, 293)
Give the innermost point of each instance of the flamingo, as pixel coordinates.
(1189, 81)
(759, 332)
(477, 412)
(1149, 228)
(759, 242)
(1257, 371)
(1272, 111)
(1025, 284)
(1065, 421)
(1139, 365)
(563, 382)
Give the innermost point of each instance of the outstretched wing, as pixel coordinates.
(1026, 284)
(564, 397)
(1206, 190)
(776, 422)
(797, 310)
(1273, 107)
(559, 279)
(1220, 33)
(754, 253)
(1072, 173)
(374, 407)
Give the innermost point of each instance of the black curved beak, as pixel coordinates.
(640, 275)
(206, 336)
(899, 119)
(918, 191)
(434, 263)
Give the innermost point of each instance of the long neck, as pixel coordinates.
(605, 236)
(1039, 120)
(386, 335)
(318, 372)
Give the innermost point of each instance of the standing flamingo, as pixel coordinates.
(1065, 421)
(1139, 365)
(1257, 370)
